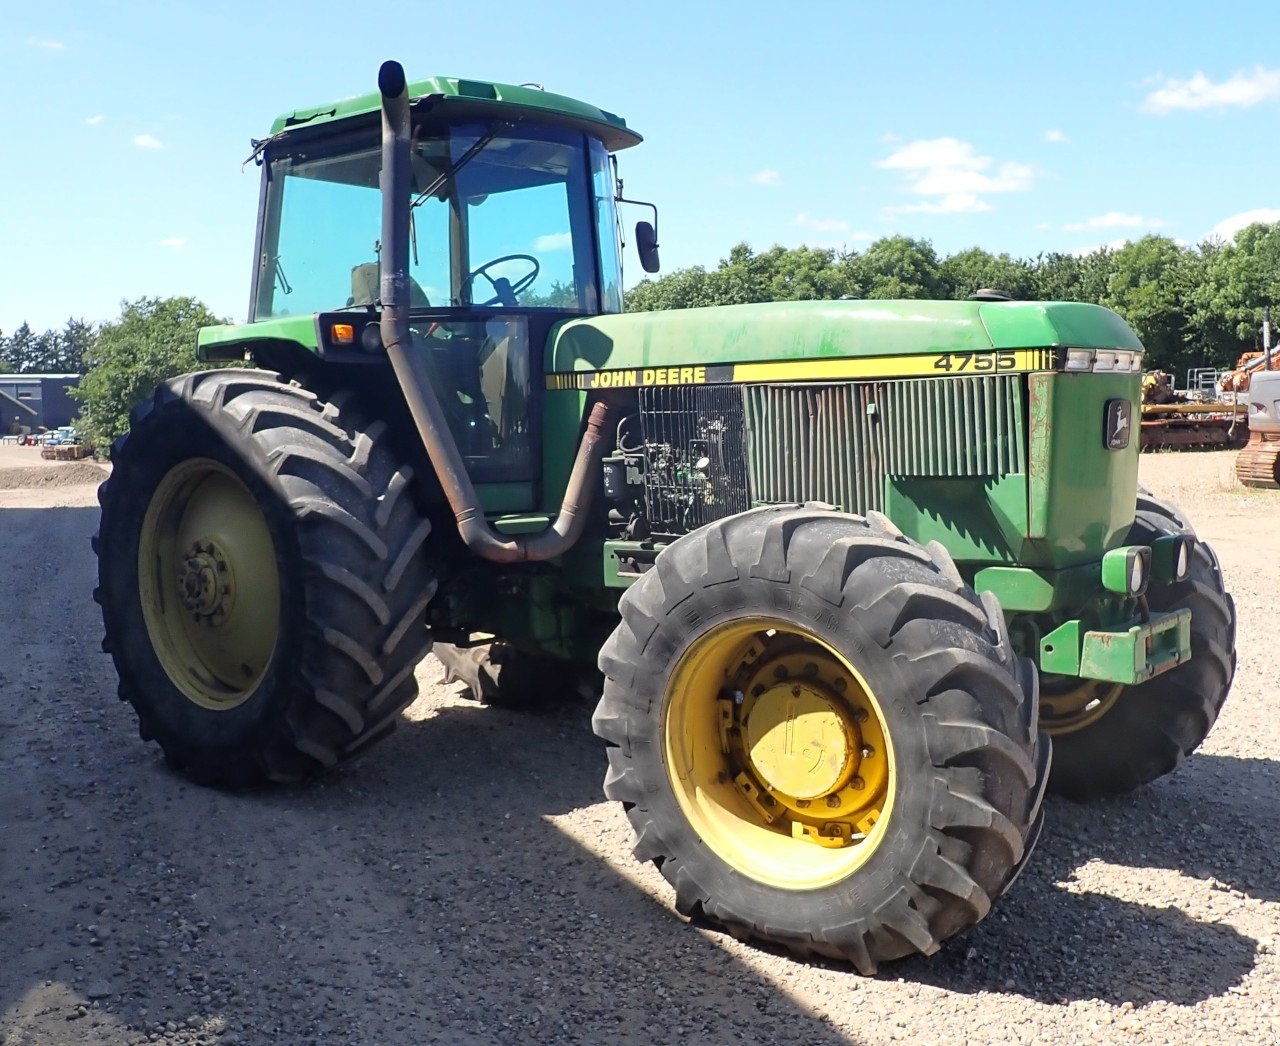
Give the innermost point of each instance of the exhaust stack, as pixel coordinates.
(423, 403)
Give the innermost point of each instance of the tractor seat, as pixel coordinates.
(364, 287)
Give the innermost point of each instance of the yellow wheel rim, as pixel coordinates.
(209, 584)
(1073, 704)
(778, 754)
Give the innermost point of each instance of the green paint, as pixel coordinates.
(799, 330)
(1116, 566)
(1140, 653)
(1081, 495)
(1017, 324)
(1038, 591)
(521, 524)
(1164, 556)
(470, 99)
(230, 341)
(1060, 649)
(978, 519)
(1131, 653)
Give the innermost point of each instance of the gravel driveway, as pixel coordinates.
(465, 882)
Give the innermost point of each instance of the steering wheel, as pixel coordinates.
(504, 290)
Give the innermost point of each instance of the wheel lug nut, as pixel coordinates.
(859, 715)
(857, 784)
(833, 801)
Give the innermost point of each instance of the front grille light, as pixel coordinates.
(1103, 361)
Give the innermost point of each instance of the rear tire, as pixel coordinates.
(794, 675)
(1145, 731)
(261, 576)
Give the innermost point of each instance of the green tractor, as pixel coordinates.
(843, 564)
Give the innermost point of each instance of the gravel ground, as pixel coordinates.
(466, 883)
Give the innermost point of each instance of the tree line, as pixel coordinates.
(1191, 306)
(120, 362)
(53, 352)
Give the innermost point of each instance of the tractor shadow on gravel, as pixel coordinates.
(1054, 940)
(490, 920)
(1045, 940)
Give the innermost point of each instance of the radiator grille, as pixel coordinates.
(837, 443)
(695, 470)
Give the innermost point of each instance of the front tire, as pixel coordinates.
(821, 736)
(261, 576)
(1109, 739)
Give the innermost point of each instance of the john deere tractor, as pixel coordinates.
(843, 564)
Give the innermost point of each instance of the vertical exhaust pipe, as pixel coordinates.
(423, 403)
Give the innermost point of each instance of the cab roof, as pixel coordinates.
(479, 96)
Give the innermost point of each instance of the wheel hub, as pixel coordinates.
(778, 753)
(800, 742)
(205, 583)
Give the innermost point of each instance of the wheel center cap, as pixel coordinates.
(800, 741)
(204, 582)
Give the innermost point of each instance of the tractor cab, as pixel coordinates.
(513, 226)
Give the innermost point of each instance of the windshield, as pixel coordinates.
(509, 222)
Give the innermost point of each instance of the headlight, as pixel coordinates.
(1126, 570)
(1171, 557)
(1137, 575)
(1104, 361)
(1079, 359)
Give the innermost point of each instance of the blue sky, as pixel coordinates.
(1021, 128)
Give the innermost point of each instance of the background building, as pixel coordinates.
(35, 401)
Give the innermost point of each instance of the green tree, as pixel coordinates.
(682, 289)
(19, 348)
(900, 267)
(154, 339)
(1148, 285)
(976, 269)
(1238, 280)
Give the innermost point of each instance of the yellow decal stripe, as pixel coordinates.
(932, 365)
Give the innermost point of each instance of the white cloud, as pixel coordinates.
(1112, 245)
(1116, 220)
(862, 237)
(146, 141)
(93, 121)
(556, 241)
(955, 175)
(1041, 226)
(46, 45)
(1054, 135)
(766, 177)
(1228, 227)
(174, 241)
(952, 203)
(821, 224)
(1199, 92)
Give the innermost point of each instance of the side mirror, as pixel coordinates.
(647, 246)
